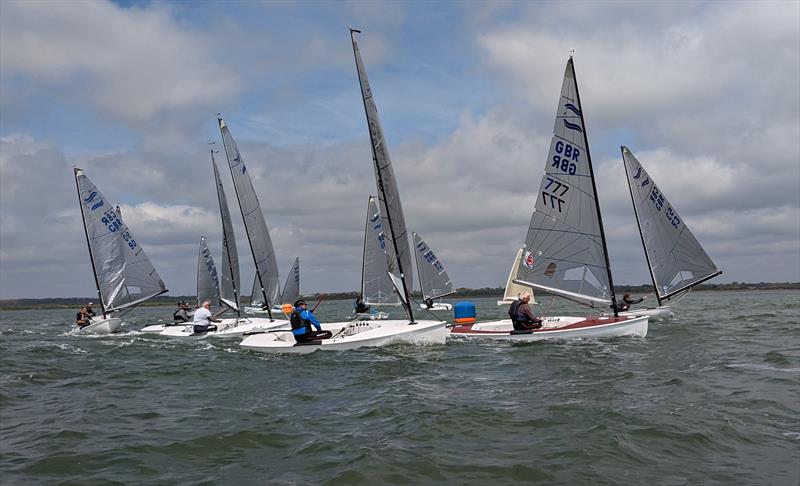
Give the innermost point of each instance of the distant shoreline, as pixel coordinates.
(77, 302)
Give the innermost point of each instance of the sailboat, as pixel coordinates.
(513, 290)
(355, 334)
(566, 253)
(675, 258)
(207, 286)
(290, 293)
(377, 289)
(260, 244)
(123, 274)
(433, 278)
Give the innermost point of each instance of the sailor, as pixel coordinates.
(89, 310)
(302, 319)
(360, 307)
(203, 319)
(82, 318)
(521, 314)
(627, 302)
(181, 314)
(429, 303)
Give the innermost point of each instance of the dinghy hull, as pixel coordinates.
(661, 313)
(352, 335)
(228, 328)
(103, 326)
(438, 306)
(556, 328)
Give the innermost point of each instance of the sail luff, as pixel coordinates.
(622, 149)
(596, 197)
(230, 263)
(391, 207)
(254, 223)
(88, 244)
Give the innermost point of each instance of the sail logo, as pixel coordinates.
(646, 182)
(573, 126)
(572, 108)
(91, 198)
(529, 260)
(638, 174)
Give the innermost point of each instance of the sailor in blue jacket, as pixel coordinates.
(302, 320)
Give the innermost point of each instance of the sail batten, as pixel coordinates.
(433, 278)
(675, 258)
(565, 250)
(254, 223)
(124, 275)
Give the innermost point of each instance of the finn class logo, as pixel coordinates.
(529, 260)
(638, 174)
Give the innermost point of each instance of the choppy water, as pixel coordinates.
(712, 397)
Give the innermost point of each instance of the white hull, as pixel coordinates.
(369, 316)
(103, 326)
(352, 335)
(557, 327)
(438, 306)
(228, 328)
(505, 302)
(661, 313)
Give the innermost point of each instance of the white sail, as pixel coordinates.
(565, 250)
(256, 227)
(207, 279)
(513, 289)
(376, 286)
(229, 287)
(125, 276)
(397, 251)
(433, 277)
(291, 289)
(676, 260)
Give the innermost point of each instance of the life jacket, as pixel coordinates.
(512, 310)
(176, 317)
(299, 323)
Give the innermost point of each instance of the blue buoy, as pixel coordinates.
(464, 312)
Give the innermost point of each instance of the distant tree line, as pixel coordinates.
(74, 302)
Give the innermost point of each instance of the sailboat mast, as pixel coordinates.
(88, 244)
(407, 299)
(596, 197)
(639, 225)
(247, 232)
(224, 237)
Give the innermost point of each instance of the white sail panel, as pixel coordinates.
(564, 246)
(254, 223)
(398, 251)
(291, 289)
(229, 287)
(124, 273)
(677, 261)
(207, 278)
(513, 289)
(376, 287)
(433, 277)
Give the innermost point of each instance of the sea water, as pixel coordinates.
(710, 397)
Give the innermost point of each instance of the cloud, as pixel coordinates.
(131, 64)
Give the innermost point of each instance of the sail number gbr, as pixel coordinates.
(553, 192)
(113, 224)
(566, 157)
